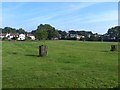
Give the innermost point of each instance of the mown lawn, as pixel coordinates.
(69, 64)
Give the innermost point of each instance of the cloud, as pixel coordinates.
(64, 12)
(63, 16)
(102, 17)
(81, 5)
(41, 17)
(107, 16)
(95, 22)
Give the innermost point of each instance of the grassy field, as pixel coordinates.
(70, 64)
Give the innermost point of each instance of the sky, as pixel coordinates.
(97, 17)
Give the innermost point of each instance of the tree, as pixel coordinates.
(8, 30)
(63, 34)
(1, 30)
(113, 34)
(52, 32)
(33, 32)
(55, 34)
(41, 34)
(20, 31)
(87, 34)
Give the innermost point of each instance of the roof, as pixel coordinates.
(30, 35)
(2, 34)
(14, 34)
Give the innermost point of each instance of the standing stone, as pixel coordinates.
(113, 48)
(43, 50)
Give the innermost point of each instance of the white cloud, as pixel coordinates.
(102, 17)
(70, 20)
(98, 23)
(68, 10)
(107, 17)
(81, 5)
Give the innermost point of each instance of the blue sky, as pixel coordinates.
(97, 17)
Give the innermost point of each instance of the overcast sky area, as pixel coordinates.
(97, 17)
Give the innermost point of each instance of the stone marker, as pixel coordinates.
(113, 48)
(43, 50)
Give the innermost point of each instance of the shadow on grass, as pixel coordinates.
(105, 51)
(115, 88)
(32, 55)
(67, 62)
(12, 53)
(108, 51)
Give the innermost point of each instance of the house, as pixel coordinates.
(31, 36)
(21, 37)
(73, 35)
(16, 36)
(2, 35)
(10, 36)
(7, 35)
(78, 37)
(54, 38)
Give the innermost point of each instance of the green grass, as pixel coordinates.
(70, 64)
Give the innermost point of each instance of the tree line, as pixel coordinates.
(12, 30)
(48, 32)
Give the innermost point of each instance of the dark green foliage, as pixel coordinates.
(33, 32)
(72, 32)
(28, 38)
(41, 34)
(47, 30)
(88, 35)
(0, 30)
(52, 34)
(12, 30)
(5, 38)
(20, 31)
(8, 30)
(114, 33)
(14, 38)
(62, 34)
